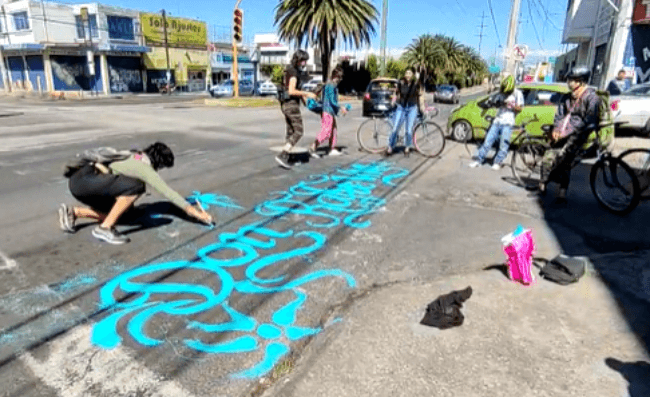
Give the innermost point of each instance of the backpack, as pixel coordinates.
(564, 269)
(101, 155)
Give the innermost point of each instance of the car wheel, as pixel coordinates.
(461, 131)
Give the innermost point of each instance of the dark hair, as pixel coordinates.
(161, 156)
(299, 56)
(622, 71)
(337, 72)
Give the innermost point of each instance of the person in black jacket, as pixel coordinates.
(290, 104)
(578, 115)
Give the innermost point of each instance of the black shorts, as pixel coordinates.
(99, 191)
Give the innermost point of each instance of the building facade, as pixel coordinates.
(611, 35)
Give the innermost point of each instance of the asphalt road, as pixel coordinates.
(183, 309)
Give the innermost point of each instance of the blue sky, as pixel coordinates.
(406, 19)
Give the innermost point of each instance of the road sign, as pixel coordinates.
(519, 52)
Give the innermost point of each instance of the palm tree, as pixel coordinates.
(322, 22)
(453, 51)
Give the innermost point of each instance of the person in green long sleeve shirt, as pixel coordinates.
(110, 191)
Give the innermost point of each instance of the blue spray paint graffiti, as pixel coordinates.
(342, 198)
(210, 199)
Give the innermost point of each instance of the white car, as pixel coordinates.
(266, 88)
(311, 85)
(633, 107)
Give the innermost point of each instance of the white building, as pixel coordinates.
(273, 52)
(49, 47)
(610, 35)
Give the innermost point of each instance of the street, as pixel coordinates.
(189, 310)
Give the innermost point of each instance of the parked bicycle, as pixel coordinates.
(428, 136)
(639, 160)
(613, 183)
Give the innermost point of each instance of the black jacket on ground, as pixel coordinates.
(444, 312)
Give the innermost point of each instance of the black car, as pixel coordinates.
(446, 93)
(378, 96)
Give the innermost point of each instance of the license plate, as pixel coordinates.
(382, 107)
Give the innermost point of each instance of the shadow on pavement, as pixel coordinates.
(637, 374)
(617, 246)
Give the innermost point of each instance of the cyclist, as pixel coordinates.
(409, 99)
(577, 116)
(509, 101)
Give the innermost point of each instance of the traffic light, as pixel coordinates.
(237, 28)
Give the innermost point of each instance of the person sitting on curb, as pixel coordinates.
(109, 191)
(509, 101)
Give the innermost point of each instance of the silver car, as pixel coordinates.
(632, 108)
(266, 88)
(446, 93)
(225, 89)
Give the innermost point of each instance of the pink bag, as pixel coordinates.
(518, 247)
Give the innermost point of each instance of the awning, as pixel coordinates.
(129, 48)
(23, 46)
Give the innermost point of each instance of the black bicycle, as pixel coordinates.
(613, 183)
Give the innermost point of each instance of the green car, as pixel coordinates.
(541, 100)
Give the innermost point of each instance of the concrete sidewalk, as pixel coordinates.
(585, 339)
(543, 340)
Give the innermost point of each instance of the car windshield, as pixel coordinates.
(382, 86)
(445, 88)
(643, 90)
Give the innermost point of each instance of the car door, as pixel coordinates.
(538, 103)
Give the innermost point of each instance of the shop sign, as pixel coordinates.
(180, 31)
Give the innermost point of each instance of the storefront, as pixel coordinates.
(637, 53)
(189, 68)
(72, 73)
(25, 67)
(188, 56)
(222, 65)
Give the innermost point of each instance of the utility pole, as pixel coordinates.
(3, 68)
(169, 72)
(512, 35)
(480, 36)
(384, 19)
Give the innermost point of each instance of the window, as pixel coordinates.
(1, 26)
(120, 28)
(82, 28)
(21, 22)
(542, 98)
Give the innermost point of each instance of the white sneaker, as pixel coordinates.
(335, 152)
(313, 154)
(496, 167)
(474, 164)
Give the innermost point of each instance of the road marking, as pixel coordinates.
(8, 262)
(75, 368)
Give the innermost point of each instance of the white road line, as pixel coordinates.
(75, 368)
(8, 262)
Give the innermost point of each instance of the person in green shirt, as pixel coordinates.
(110, 191)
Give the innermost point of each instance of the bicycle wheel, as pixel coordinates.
(639, 162)
(373, 134)
(614, 185)
(429, 139)
(527, 162)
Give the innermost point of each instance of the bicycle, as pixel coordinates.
(639, 160)
(428, 136)
(521, 127)
(609, 175)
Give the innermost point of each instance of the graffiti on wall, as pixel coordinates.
(344, 198)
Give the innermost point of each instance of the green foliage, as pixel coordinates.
(274, 71)
(373, 66)
(277, 74)
(443, 60)
(395, 68)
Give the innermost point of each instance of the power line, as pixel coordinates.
(548, 18)
(494, 22)
(480, 35)
(530, 12)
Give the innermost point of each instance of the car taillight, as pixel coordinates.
(615, 105)
(366, 97)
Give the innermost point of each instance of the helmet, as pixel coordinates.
(580, 73)
(299, 56)
(508, 85)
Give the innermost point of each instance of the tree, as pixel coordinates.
(322, 23)
(395, 68)
(425, 54)
(373, 66)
